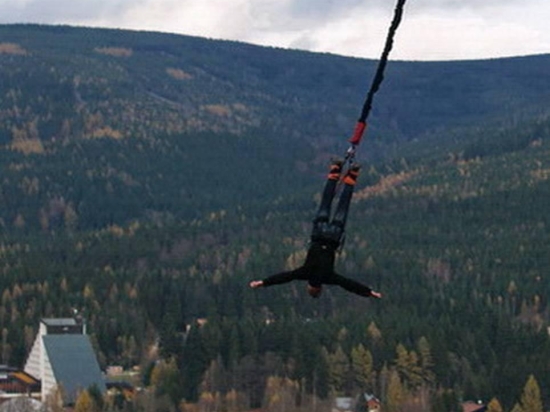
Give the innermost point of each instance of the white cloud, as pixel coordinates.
(431, 29)
(470, 33)
(212, 18)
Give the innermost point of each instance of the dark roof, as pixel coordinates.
(74, 363)
(6, 368)
(59, 321)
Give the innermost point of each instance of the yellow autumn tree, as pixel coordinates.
(84, 403)
(363, 368)
(395, 392)
(531, 400)
(494, 406)
(280, 394)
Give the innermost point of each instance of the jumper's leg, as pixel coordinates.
(341, 214)
(323, 214)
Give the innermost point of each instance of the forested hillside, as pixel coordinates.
(146, 178)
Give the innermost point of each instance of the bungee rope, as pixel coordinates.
(378, 78)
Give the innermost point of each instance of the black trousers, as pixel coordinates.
(325, 228)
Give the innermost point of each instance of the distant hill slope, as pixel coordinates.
(123, 83)
(115, 125)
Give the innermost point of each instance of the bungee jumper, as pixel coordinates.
(326, 239)
(327, 234)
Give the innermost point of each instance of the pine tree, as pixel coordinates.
(373, 332)
(280, 394)
(215, 377)
(408, 367)
(531, 400)
(234, 401)
(193, 363)
(517, 408)
(494, 406)
(362, 366)
(85, 403)
(321, 375)
(171, 341)
(338, 370)
(166, 379)
(426, 361)
(209, 402)
(96, 396)
(395, 394)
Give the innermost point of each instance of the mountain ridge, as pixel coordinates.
(274, 89)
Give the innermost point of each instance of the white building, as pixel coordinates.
(62, 357)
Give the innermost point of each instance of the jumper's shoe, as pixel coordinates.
(335, 169)
(353, 173)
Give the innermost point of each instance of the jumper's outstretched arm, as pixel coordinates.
(353, 286)
(280, 278)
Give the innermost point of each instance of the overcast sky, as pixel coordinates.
(430, 30)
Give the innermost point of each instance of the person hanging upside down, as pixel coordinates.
(326, 238)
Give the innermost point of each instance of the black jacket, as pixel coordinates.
(318, 269)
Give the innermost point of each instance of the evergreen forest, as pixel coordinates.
(146, 178)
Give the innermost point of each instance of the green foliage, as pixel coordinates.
(146, 178)
(363, 370)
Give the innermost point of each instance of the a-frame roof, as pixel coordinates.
(73, 363)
